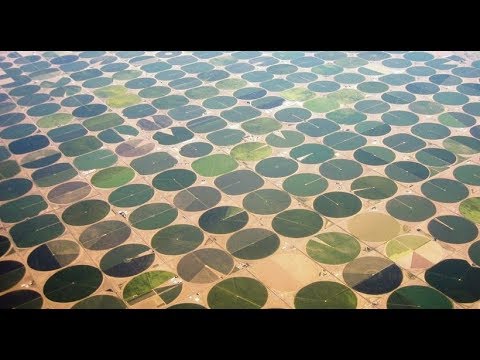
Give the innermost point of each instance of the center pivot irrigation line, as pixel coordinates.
(401, 202)
(326, 197)
(441, 222)
(433, 184)
(345, 140)
(151, 216)
(46, 227)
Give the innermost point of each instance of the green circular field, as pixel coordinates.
(54, 120)
(305, 184)
(325, 295)
(468, 174)
(100, 302)
(36, 230)
(276, 167)
(214, 165)
(470, 209)
(73, 283)
(173, 180)
(474, 253)
(407, 171)
(153, 216)
(411, 208)
(177, 239)
(333, 248)
(131, 195)
(418, 297)
(11, 272)
(311, 153)
(456, 279)
(285, 138)
(374, 155)
(85, 212)
(98, 159)
(261, 126)
(297, 223)
(337, 204)
(112, 177)
(238, 293)
(374, 187)
(453, 229)
(444, 190)
(341, 169)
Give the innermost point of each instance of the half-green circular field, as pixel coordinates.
(177, 239)
(333, 248)
(253, 243)
(69, 192)
(112, 177)
(73, 283)
(325, 295)
(127, 260)
(223, 219)
(197, 198)
(463, 145)
(239, 182)
(238, 293)
(205, 265)
(105, 235)
(152, 284)
(85, 212)
(297, 223)
(53, 255)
